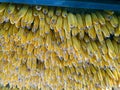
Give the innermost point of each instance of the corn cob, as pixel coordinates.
(2, 7)
(101, 18)
(71, 20)
(21, 13)
(58, 11)
(59, 24)
(88, 21)
(114, 21)
(64, 13)
(117, 31)
(105, 31)
(45, 10)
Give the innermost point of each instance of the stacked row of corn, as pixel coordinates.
(52, 49)
(86, 76)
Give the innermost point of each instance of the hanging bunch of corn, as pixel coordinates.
(52, 49)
